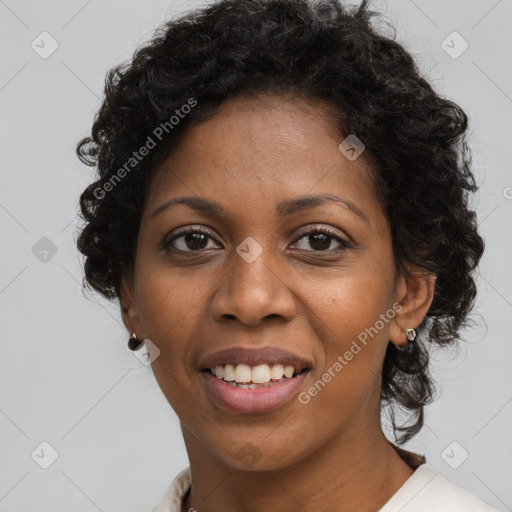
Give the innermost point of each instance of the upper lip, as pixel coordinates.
(254, 357)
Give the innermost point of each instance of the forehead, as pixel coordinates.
(258, 150)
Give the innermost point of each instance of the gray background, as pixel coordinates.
(66, 376)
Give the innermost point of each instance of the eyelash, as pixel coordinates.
(315, 230)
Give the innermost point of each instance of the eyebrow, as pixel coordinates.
(284, 208)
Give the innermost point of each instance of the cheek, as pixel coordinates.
(168, 305)
(352, 303)
(169, 312)
(354, 330)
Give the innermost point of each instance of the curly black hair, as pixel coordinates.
(321, 51)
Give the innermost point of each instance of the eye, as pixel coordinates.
(320, 239)
(190, 239)
(196, 239)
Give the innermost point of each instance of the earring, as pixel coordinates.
(134, 343)
(411, 335)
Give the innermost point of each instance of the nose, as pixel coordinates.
(252, 291)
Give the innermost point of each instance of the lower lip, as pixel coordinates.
(255, 399)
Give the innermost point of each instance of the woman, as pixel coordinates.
(282, 212)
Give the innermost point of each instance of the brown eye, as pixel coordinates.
(322, 239)
(190, 239)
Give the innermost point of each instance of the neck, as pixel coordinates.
(347, 474)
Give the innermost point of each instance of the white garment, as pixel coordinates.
(426, 490)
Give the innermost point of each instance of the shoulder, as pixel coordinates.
(427, 490)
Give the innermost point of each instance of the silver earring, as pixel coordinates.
(411, 334)
(134, 343)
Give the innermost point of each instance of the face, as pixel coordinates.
(261, 270)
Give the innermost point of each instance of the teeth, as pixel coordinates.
(260, 374)
(229, 373)
(288, 371)
(277, 372)
(219, 371)
(242, 373)
(252, 386)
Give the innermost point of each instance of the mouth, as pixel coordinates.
(249, 397)
(249, 381)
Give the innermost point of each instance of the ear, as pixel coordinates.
(415, 293)
(129, 311)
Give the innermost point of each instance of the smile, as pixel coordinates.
(242, 394)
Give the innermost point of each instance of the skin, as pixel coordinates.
(329, 454)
